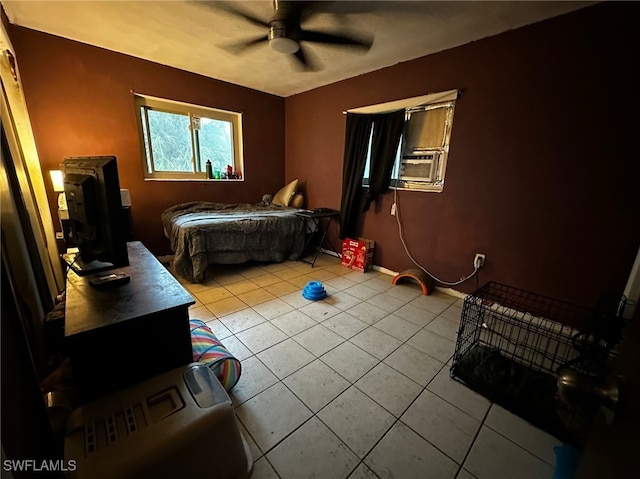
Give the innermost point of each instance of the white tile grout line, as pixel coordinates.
(475, 437)
(396, 419)
(515, 443)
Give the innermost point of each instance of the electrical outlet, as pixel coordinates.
(59, 235)
(393, 209)
(478, 261)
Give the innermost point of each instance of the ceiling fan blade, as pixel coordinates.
(332, 38)
(227, 7)
(305, 60)
(239, 48)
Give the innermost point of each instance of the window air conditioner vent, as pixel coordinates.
(421, 167)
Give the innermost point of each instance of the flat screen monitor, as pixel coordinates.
(92, 188)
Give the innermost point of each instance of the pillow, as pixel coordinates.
(297, 201)
(284, 196)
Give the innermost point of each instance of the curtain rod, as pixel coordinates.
(406, 102)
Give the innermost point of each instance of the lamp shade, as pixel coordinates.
(57, 180)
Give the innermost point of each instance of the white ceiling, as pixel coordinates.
(191, 35)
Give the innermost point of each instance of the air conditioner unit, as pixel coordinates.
(421, 167)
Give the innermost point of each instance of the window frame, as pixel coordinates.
(190, 110)
(442, 152)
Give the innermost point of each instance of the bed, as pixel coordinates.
(204, 233)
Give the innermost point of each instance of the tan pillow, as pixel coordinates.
(297, 201)
(284, 196)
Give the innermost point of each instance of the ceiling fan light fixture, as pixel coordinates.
(284, 45)
(279, 40)
(286, 35)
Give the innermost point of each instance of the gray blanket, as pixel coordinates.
(203, 233)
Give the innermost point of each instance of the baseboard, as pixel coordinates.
(330, 253)
(383, 270)
(165, 259)
(451, 292)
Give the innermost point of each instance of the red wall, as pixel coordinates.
(80, 102)
(543, 167)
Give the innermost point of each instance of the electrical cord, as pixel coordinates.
(406, 248)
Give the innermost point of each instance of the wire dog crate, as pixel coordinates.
(512, 344)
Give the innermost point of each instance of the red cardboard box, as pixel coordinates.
(358, 254)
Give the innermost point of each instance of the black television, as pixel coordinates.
(92, 189)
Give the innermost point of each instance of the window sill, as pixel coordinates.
(201, 180)
(426, 189)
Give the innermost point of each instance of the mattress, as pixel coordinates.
(204, 233)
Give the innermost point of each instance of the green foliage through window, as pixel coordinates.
(170, 141)
(178, 139)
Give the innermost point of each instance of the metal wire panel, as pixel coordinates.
(512, 343)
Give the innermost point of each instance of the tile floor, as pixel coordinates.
(357, 385)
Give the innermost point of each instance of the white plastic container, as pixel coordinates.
(178, 424)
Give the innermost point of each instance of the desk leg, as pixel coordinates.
(313, 232)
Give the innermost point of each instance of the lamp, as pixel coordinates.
(57, 180)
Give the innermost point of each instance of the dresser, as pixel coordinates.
(119, 336)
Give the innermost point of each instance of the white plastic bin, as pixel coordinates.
(178, 424)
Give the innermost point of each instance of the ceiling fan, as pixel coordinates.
(286, 35)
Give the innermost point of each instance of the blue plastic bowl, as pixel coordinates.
(314, 291)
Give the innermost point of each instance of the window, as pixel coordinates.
(421, 159)
(177, 140)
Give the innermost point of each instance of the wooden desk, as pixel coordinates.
(120, 336)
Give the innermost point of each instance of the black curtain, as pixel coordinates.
(387, 130)
(355, 156)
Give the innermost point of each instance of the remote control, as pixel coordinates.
(109, 280)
